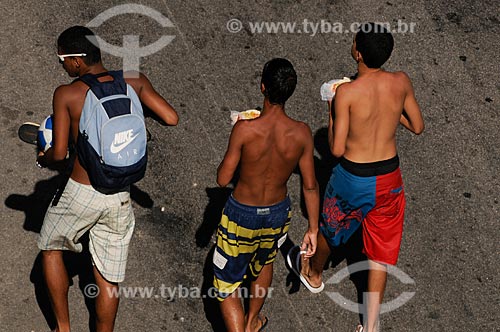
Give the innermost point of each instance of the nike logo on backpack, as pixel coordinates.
(122, 140)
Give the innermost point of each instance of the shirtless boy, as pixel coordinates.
(366, 186)
(256, 217)
(81, 208)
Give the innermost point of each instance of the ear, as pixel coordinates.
(262, 88)
(354, 51)
(77, 62)
(359, 57)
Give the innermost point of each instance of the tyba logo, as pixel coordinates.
(131, 52)
(399, 301)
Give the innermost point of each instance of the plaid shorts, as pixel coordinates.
(108, 218)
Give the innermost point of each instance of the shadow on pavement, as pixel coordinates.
(323, 166)
(217, 198)
(351, 252)
(35, 206)
(210, 304)
(77, 264)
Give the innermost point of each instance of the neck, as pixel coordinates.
(364, 70)
(93, 69)
(271, 108)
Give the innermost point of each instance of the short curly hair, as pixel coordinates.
(74, 40)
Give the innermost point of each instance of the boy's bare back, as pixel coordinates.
(368, 112)
(271, 147)
(362, 130)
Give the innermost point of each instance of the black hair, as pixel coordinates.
(279, 79)
(375, 43)
(74, 40)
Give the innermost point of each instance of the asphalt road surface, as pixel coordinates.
(450, 249)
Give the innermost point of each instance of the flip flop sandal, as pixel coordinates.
(295, 266)
(263, 322)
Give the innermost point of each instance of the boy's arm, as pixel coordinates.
(60, 132)
(228, 165)
(411, 118)
(311, 194)
(331, 116)
(339, 122)
(153, 101)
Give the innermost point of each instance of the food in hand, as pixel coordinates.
(244, 115)
(328, 89)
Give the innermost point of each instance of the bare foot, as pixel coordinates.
(306, 271)
(263, 322)
(259, 323)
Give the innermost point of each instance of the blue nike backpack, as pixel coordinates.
(112, 139)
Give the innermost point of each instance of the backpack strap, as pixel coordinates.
(107, 88)
(91, 79)
(117, 86)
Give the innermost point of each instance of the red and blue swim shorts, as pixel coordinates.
(370, 195)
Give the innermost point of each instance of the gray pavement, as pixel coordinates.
(450, 246)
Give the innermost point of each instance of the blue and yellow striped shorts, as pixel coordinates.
(248, 238)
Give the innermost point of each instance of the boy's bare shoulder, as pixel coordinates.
(401, 76)
(348, 88)
(249, 126)
(302, 128)
(136, 79)
(243, 127)
(70, 91)
(402, 80)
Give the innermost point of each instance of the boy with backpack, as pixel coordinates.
(111, 154)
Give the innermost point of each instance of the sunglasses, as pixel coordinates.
(62, 56)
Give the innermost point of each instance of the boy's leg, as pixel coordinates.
(258, 293)
(232, 312)
(377, 278)
(312, 269)
(382, 233)
(106, 303)
(57, 280)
